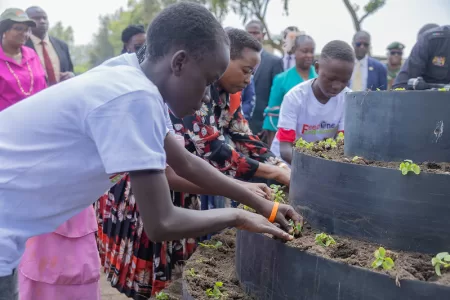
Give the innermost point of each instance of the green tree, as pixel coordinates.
(101, 48)
(248, 9)
(63, 33)
(370, 8)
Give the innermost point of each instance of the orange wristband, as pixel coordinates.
(273, 214)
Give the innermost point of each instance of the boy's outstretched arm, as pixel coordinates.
(206, 176)
(163, 221)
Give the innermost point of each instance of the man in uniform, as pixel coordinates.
(429, 59)
(395, 55)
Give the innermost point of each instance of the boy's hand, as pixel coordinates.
(286, 213)
(260, 189)
(257, 223)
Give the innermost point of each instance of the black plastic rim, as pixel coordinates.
(271, 270)
(379, 205)
(186, 295)
(394, 126)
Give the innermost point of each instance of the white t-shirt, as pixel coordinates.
(59, 148)
(311, 120)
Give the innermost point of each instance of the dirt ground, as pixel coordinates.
(107, 292)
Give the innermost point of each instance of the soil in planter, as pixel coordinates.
(337, 154)
(408, 265)
(209, 265)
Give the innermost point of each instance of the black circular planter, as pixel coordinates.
(379, 205)
(186, 295)
(271, 270)
(394, 126)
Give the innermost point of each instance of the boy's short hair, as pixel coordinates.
(239, 40)
(338, 50)
(185, 25)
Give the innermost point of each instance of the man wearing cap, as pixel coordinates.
(53, 52)
(395, 55)
(429, 59)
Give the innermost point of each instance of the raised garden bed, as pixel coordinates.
(369, 199)
(392, 126)
(372, 200)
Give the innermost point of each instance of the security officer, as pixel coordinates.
(394, 63)
(429, 59)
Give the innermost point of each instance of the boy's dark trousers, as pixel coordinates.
(9, 289)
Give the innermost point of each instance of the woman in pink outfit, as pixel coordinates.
(64, 264)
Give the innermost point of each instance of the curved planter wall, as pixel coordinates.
(393, 126)
(379, 205)
(186, 295)
(270, 270)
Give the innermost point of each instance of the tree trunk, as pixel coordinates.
(356, 21)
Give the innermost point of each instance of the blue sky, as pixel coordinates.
(324, 20)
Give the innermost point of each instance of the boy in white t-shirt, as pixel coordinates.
(111, 120)
(314, 110)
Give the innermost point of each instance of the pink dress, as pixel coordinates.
(20, 80)
(64, 264)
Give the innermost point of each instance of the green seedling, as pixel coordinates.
(301, 143)
(324, 240)
(217, 245)
(400, 89)
(215, 292)
(381, 260)
(442, 89)
(248, 208)
(408, 166)
(440, 260)
(340, 137)
(330, 143)
(162, 296)
(297, 228)
(378, 90)
(277, 193)
(356, 158)
(192, 273)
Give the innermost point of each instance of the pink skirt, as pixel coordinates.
(64, 264)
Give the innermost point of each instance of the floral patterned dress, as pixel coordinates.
(140, 268)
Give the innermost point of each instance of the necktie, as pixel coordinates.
(357, 77)
(48, 65)
(288, 62)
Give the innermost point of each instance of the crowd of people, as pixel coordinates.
(189, 118)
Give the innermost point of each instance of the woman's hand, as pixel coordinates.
(256, 223)
(260, 189)
(282, 175)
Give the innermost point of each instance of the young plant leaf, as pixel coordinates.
(416, 169)
(437, 269)
(388, 263)
(382, 251)
(441, 255)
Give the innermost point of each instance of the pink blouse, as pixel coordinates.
(19, 81)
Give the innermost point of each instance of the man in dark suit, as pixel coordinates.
(270, 66)
(53, 52)
(368, 73)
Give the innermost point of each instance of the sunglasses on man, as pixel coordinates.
(396, 52)
(359, 44)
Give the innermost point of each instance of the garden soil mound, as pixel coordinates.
(215, 265)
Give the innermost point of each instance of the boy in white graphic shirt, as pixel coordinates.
(314, 110)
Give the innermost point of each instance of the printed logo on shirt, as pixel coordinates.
(322, 128)
(439, 61)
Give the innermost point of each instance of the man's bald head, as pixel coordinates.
(40, 17)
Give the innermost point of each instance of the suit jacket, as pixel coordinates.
(377, 75)
(62, 49)
(269, 67)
